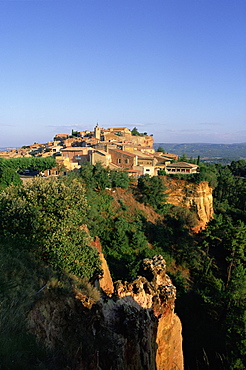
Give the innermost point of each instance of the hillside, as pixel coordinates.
(210, 153)
(53, 314)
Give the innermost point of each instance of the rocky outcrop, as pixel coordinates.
(196, 197)
(155, 292)
(105, 282)
(134, 329)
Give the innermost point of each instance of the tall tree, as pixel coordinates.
(152, 192)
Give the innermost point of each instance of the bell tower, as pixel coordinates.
(97, 132)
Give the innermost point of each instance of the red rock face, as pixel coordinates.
(133, 328)
(197, 197)
(156, 294)
(169, 354)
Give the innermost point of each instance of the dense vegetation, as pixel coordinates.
(215, 337)
(10, 167)
(42, 241)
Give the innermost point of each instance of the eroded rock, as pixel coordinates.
(134, 329)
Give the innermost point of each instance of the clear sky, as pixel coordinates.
(173, 68)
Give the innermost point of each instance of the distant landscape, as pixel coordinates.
(6, 148)
(210, 153)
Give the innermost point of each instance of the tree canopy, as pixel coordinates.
(152, 192)
(10, 167)
(47, 217)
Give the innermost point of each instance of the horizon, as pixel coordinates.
(155, 143)
(173, 69)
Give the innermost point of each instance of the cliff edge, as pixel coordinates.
(196, 197)
(133, 328)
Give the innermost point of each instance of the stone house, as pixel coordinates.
(76, 154)
(101, 156)
(181, 168)
(123, 159)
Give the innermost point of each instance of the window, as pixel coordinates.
(126, 160)
(119, 160)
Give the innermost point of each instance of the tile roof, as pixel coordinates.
(182, 164)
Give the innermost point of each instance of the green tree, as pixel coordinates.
(35, 163)
(47, 216)
(152, 191)
(101, 176)
(86, 172)
(135, 132)
(95, 176)
(160, 149)
(238, 168)
(9, 176)
(119, 179)
(206, 173)
(225, 189)
(183, 158)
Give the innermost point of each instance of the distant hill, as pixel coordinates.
(212, 153)
(6, 148)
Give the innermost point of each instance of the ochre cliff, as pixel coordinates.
(134, 329)
(196, 197)
(155, 292)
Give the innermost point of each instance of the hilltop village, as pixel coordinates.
(116, 148)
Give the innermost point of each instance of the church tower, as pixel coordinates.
(97, 132)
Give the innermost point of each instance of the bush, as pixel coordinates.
(47, 216)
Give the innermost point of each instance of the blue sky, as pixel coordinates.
(173, 68)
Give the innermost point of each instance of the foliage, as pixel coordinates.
(74, 133)
(9, 176)
(217, 295)
(95, 177)
(160, 149)
(36, 163)
(206, 173)
(135, 132)
(26, 282)
(21, 277)
(41, 224)
(9, 168)
(184, 215)
(238, 168)
(119, 179)
(126, 247)
(47, 216)
(152, 192)
(98, 177)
